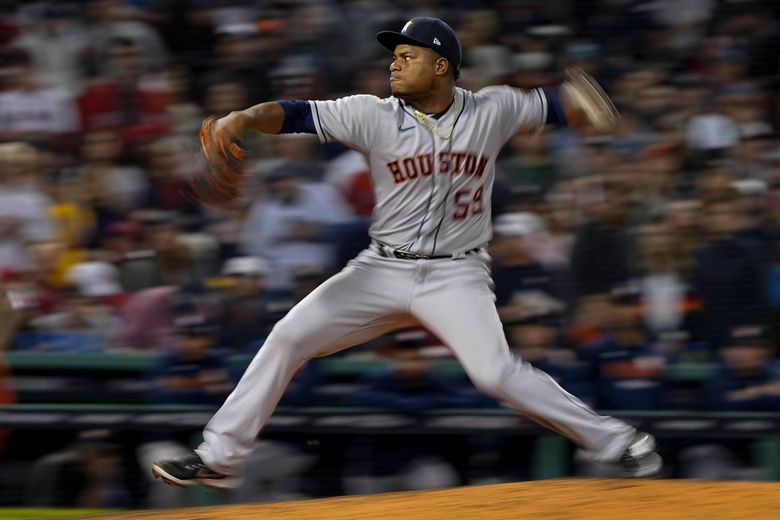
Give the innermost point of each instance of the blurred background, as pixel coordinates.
(641, 270)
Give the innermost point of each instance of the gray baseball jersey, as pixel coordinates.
(432, 193)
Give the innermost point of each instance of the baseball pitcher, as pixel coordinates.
(432, 149)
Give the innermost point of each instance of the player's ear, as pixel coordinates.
(441, 66)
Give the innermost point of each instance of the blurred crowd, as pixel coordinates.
(629, 253)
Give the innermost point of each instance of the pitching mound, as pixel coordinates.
(568, 499)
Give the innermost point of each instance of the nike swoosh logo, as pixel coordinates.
(405, 129)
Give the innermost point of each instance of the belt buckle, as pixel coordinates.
(406, 255)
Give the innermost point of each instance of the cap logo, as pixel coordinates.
(407, 26)
(436, 41)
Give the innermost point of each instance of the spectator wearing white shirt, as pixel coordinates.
(662, 286)
(23, 206)
(29, 110)
(288, 225)
(58, 44)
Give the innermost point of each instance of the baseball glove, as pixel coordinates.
(587, 102)
(218, 181)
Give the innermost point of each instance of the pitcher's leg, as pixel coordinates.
(463, 314)
(337, 315)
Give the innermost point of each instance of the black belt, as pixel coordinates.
(387, 252)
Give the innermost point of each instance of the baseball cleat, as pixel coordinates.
(640, 458)
(189, 470)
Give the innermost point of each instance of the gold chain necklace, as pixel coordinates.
(424, 120)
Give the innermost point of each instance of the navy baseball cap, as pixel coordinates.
(425, 31)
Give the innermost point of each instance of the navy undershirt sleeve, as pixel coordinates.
(298, 118)
(555, 115)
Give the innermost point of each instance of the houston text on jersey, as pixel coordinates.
(421, 165)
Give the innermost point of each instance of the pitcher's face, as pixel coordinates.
(413, 70)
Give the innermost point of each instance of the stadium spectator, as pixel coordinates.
(114, 189)
(530, 163)
(124, 245)
(237, 56)
(149, 316)
(514, 271)
(193, 371)
(24, 205)
(86, 317)
(74, 224)
(729, 274)
(746, 380)
(663, 289)
(684, 219)
(173, 262)
(483, 54)
(124, 99)
(552, 246)
(752, 154)
(58, 43)
(247, 321)
(184, 115)
(589, 318)
(601, 255)
(626, 370)
(46, 114)
(224, 93)
(169, 160)
(287, 226)
(97, 279)
(114, 20)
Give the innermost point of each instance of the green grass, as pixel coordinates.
(25, 513)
